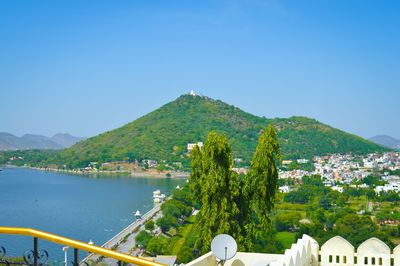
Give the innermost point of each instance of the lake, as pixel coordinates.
(80, 207)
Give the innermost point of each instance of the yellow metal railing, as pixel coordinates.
(77, 245)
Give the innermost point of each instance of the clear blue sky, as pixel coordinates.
(85, 67)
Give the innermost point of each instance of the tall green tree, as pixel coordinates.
(216, 187)
(230, 205)
(261, 184)
(356, 228)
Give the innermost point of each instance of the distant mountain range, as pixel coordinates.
(386, 141)
(164, 134)
(30, 141)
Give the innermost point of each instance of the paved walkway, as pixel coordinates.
(128, 246)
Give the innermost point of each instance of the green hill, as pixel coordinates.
(164, 133)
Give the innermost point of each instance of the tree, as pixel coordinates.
(176, 208)
(216, 187)
(149, 225)
(287, 221)
(298, 196)
(312, 229)
(314, 181)
(142, 239)
(169, 208)
(166, 222)
(325, 202)
(373, 180)
(262, 180)
(370, 193)
(230, 205)
(185, 255)
(160, 167)
(356, 228)
(158, 245)
(184, 195)
(318, 215)
(261, 184)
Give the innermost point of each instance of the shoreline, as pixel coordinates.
(117, 239)
(172, 174)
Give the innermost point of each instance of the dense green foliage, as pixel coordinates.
(149, 225)
(216, 187)
(164, 133)
(143, 238)
(177, 233)
(231, 205)
(302, 137)
(309, 166)
(323, 213)
(158, 245)
(287, 221)
(29, 157)
(262, 179)
(311, 188)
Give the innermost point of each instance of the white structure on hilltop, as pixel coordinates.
(193, 93)
(337, 251)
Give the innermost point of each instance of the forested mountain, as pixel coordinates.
(164, 133)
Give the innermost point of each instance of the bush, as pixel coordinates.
(176, 208)
(149, 225)
(143, 238)
(158, 245)
(287, 221)
(185, 255)
(166, 222)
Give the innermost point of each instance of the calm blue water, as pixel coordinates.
(80, 207)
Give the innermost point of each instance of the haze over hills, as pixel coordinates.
(386, 141)
(30, 141)
(65, 140)
(164, 134)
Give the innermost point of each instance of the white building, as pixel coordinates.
(302, 161)
(190, 146)
(284, 189)
(158, 197)
(395, 186)
(337, 188)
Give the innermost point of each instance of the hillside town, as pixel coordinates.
(338, 170)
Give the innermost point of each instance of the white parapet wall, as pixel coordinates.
(207, 259)
(303, 252)
(337, 251)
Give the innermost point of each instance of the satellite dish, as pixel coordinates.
(224, 247)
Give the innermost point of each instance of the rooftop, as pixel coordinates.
(306, 251)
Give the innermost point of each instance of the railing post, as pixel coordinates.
(119, 263)
(35, 251)
(76, 257)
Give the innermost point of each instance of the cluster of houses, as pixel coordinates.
(393, 184)
(190, 146)
(342, 169)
